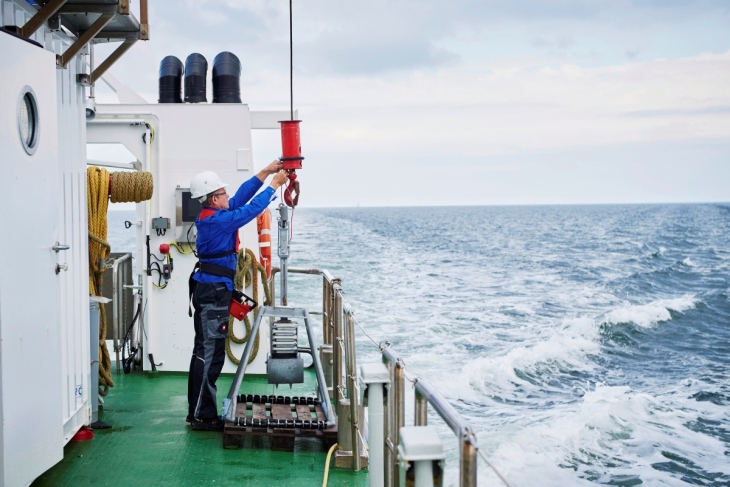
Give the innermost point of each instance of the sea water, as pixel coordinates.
(584, 344)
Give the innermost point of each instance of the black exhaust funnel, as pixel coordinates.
(226, 78)
(171, 71)
(196, 70)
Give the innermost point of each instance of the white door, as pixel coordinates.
(31, 439)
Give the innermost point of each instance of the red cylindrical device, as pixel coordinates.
(291, 148)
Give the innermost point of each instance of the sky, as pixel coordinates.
(474, 102)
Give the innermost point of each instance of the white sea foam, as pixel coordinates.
(565, 347)
(648, 315)
(613, 432)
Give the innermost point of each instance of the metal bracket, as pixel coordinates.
(83, 40)
(113, 58)
(83, 79)
(45, 13)
(107, 14)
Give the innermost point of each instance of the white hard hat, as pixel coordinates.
(205, 183)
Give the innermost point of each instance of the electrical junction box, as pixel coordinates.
(160, 223)
(187, 210)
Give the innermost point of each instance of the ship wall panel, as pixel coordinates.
(61, 197)
(73, 218)
(177, 155)
(30, 334)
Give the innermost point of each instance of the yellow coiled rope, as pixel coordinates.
(247, 270)
(131, 186)
(99, 249)
(137, 187)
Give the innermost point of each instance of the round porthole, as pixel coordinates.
(29, 124)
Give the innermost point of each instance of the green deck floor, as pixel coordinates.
(151, 444)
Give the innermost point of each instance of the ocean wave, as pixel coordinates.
(713, 397)
(659, 252)
(613, 435)
(648, 315)
(561, 353)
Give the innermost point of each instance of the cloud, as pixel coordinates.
(561, 42)
(489, 110)
(411, 89)
(671, 112)
(344, 55)
(213, 18)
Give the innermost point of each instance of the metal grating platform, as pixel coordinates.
(259, 413)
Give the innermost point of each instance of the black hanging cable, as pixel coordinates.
(291, 65)
(187, 236)
(127, 345)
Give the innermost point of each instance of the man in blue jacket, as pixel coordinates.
(212, 283)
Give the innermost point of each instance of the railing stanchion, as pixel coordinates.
(467, 462)
(421, 413)
(396, 412)
(400, 410)
(352, 389)
(326, 312)
(336, 347)
(390, 446)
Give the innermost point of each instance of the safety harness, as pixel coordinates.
(207, 267)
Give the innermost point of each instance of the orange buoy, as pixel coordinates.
(263, 224)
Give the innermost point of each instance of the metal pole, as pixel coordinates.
(115, 304)
(326, 299)
(115, 314)
(442, 407)
(423, 473)
(336, 350)
(91, 70)
(468, 462)
(144, 25)
(421, 415)
(351, 390)
(321, 383)
(389, 446)
(399, 410)
(375, 423)
(284, 249)
(241, 370)
(94, 343)
(396, 407)
(467, 438)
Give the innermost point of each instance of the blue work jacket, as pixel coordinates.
(217, 233)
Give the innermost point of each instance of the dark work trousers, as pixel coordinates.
(211, 303)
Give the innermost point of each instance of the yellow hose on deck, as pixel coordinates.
(125, 186)
(327, 464)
